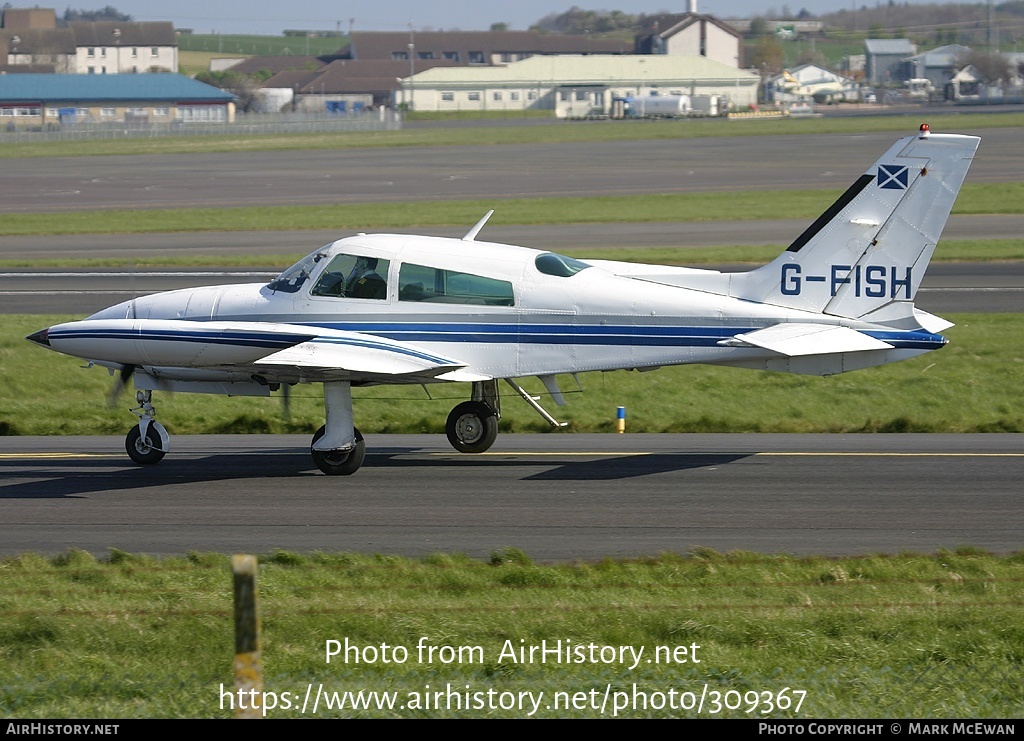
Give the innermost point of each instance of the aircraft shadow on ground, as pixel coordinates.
(71, 478)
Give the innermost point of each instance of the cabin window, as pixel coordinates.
(551, 263)
(433, 285)
(353, 276)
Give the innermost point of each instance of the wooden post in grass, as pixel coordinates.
(248, 662)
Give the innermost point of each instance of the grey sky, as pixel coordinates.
(273, 16)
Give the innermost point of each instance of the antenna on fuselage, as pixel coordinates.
(471, 234)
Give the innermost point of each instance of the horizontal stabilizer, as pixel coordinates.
(807, 339)
(904, 315)
(930, 322)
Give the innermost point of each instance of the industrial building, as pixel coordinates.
(50, 100)
(574, 86)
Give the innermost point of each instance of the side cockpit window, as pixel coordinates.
(354, 276)
(434, 285)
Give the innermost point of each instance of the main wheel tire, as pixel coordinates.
(339, 463)
(143, 451)
(472, 427)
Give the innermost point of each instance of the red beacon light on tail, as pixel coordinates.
(925, 130)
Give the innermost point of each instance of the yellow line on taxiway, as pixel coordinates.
(576, 454)
(740, 452)
(49, 456)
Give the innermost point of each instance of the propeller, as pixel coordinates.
(286, 400)
(123, 377)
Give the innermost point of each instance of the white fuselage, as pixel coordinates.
(591, 320)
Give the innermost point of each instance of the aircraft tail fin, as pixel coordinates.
(872, 246)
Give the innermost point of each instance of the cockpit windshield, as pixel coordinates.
(292, 279)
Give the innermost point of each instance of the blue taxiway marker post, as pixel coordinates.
(620, 422)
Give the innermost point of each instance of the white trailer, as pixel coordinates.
(661, 106)
(708, 105)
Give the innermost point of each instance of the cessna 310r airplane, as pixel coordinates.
(396, 309)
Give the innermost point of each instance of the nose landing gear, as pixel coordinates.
(148, 442)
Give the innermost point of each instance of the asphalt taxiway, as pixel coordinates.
(499, 171)
(557, 496)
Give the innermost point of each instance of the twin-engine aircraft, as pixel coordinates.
(396, 309)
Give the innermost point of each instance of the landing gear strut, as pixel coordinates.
(337, 447)
(148, 442)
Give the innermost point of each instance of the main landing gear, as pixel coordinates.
(337, 447)
(338, 462)
(472, 427)
(147, 442)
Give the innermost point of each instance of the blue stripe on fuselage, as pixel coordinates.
(558, 334)
(238, 339)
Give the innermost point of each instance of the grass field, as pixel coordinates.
(757, 636)
(244, 45)
(557, 131)
(976, 384)
(997, 198)
(192, 63)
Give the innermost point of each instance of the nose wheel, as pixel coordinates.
(472, 427)
(144, 450)
(148, 442)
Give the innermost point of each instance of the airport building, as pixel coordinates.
(46, 101)
(574, 86)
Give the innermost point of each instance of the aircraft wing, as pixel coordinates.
(361, 355)
(795, 339)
